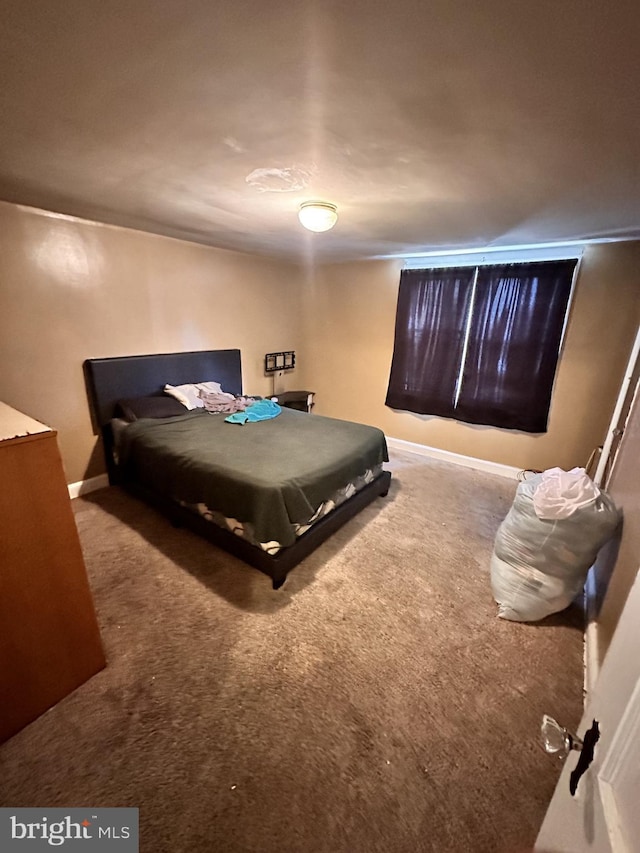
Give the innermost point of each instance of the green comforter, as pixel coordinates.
(271, 474)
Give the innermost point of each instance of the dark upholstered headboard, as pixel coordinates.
(111, 379)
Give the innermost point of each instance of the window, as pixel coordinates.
(480, 344)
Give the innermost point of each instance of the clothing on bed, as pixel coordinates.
(262, 410)
(222, 403)
(273, 476)
(189, 394)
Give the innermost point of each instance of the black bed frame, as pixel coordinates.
(111, 379)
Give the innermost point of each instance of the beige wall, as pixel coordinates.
(350, 315)
(71, 290)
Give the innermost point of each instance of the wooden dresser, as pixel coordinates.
(49, 638)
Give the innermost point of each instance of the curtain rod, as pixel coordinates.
(483, 257)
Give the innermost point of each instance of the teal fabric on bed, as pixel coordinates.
(273, 475)
(262, 410)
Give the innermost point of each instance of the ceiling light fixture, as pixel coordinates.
(318, 215)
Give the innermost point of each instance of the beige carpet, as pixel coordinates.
(374, 703)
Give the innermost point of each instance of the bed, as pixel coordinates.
(268, 492)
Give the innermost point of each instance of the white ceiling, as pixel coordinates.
(432, 124)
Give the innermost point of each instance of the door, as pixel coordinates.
(628, 390)
(604, 814)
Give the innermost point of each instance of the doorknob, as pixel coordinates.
(556, 740)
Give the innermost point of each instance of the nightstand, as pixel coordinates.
(301, 400)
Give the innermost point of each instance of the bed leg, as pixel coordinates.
(278, 581)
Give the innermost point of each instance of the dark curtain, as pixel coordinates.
(430, 327)
(514, 340)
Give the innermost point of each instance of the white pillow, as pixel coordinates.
(189, 394)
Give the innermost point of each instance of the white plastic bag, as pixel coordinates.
(539, 565)
(561, 493)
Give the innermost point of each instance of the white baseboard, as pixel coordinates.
(591, 659)
(455, 458)
(591, 651)
(83, 487)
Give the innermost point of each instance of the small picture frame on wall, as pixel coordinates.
(274, 361)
